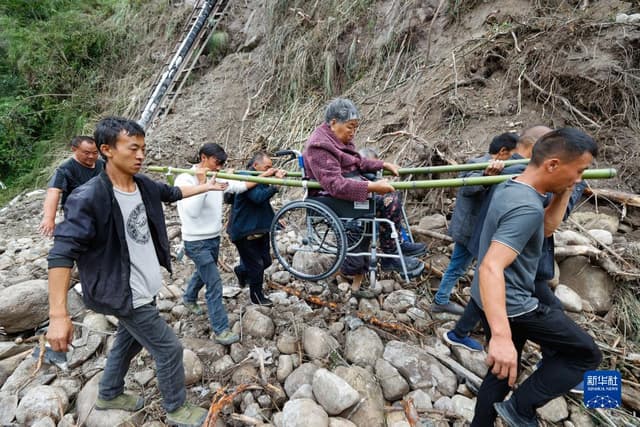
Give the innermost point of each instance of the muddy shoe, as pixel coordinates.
(227, 337)
(193, 307)
(124, 402)
(187, 415)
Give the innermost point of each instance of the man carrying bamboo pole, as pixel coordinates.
(509, 251)
(114, 229)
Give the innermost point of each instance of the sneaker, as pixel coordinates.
(466, 342)
(511, 417)
(241, 275)
(450, 307)
(193, 307)
(227, 337)
(578, 388)
(124, 402)
(394, 264)
(261, 300)
(187, 415)
(413, 249)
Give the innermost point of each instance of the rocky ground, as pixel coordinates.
(434, 85)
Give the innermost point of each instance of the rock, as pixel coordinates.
(388, 285)
(555, 281)
(276, 419)
(311, 262)
(68, 421)
(192, 367)
(24, 306)
(340, 422)
(580, 417)
(444, 404)
(367, 305)
(22, 378)
(304, 392)
(82, 353)
(257, 324)
(287, 344)
(363, 347)
(244, 374)
(44, 422)
(570, 238)
(394, 386)
(205, 349)
(301, 375)
(70, 385)
(397, 419)
(238, 352)
(8, 407)
(264, 401)
(432, 222)
(42, 401)
(281, 277)
(221, 365)
(304, 413)
(591, 283)
(421, 400)
(603, 236)
(97, 322)
(475, 361)
(318, 343)
(92, 418)
(370, 412)
(399, 301)
(569, 298)
(592, 220)
(419, 368)
(463, 406)
(554, 411)
(8, 367)
(143, 377)
(332, 392)
(285, 367)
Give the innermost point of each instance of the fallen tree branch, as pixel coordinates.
(577, 250)
(312, 299)
(621, 197)
(457, 368)
(431, 233)
(391, 326)
(220, 401)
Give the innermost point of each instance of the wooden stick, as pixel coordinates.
(431, 233)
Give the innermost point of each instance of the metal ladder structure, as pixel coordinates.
(195, 34)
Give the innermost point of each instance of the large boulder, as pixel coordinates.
(394, 386)
(369, 413)
(363, 347)
(40, 402)
(24, 306)
(302, 375)
(591, 283)
(569, 298)
(332, 392)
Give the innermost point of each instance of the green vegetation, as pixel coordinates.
(57, 61)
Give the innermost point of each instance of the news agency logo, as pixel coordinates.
(602, 389)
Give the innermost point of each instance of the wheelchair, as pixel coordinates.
(312, 237)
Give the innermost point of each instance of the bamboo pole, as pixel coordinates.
(401, 185)
(421, 170)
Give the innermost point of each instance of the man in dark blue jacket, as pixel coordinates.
(250, 222)
(114, 230)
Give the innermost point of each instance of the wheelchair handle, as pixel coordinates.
(290, 153)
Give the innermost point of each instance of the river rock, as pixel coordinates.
(257, 324)
(44, 422)
(340, 422)
(475, 361)
(332, 392)
(419, 368)
(592, 220)
(394, 386)
(97, 322)
(421, 400)
(205, 349)
(8, 407)
(304, 392)
(192, 367)
(399, 301)
(285, 367)
(40, 402)
(432, 222)
(304, 413)
(302, 375)
(554, 411)
(370, 412)
(463, 406)
(363, 347)
(287, 344)
(318, 343)
(570, 238)
(591, 283)
(24, 306)
(569, 298)
(397, 419)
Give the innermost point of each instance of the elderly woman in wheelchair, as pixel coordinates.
(331, 158)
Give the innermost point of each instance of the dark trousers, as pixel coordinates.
(254, 259)
(472, 312)
(574, 353)
(145, 328)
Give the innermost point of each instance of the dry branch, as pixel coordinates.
(431, 233)
(457, 368)
(220, 401)
(621, 197)
(312, 299)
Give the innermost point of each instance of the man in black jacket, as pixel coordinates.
(249, 228)
(114, 230)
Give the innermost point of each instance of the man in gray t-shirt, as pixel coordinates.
(145, 278)
(509, 251)
(515, 220)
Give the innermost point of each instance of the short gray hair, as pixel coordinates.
(342, 110)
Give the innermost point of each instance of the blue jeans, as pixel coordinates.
(461, 259)
(204, 254)
(145, 328)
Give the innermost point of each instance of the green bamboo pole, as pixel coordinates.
(401, 185)
(421, 170)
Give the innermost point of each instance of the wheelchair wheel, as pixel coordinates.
(308, 240)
